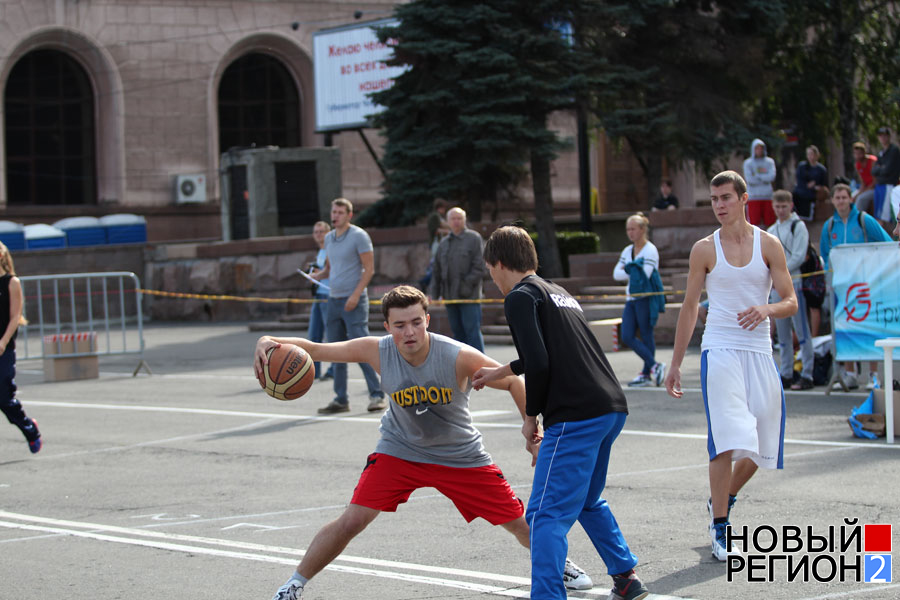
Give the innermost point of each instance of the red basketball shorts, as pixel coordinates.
(387, 482)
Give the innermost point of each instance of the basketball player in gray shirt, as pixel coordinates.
(427, 435)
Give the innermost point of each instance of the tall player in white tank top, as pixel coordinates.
(738, 265)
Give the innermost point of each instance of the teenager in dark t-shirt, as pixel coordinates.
(583, 409)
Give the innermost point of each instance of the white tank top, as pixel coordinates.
(732, 290)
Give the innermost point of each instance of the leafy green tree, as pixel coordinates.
(839, 68)
(468, 120)
(689, 74)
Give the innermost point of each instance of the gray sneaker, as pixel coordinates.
(334, 407)
(289, 591)
(377, 403)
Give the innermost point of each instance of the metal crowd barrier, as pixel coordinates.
(108, 304)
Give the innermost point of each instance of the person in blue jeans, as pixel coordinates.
(638, 265)
(349, 265)
(317, 312)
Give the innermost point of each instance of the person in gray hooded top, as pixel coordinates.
(427, 435)
(759, 173)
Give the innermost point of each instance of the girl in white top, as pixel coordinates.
(738, 264)
(636, 314)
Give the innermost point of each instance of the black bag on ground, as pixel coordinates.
(821, 368)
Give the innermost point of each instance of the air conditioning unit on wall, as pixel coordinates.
(190, 188)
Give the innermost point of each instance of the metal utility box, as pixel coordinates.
(277, 191)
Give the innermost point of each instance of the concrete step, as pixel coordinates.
(295, 318)
(498, 339)
(495, 330)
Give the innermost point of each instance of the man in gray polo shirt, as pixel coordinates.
(457, 274)
(349, 267)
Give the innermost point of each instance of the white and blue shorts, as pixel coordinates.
(744, 404)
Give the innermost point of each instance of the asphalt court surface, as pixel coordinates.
(192, 483)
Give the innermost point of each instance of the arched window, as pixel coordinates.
(50, 150)
(258, 104)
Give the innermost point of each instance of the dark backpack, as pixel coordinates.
(813, 286)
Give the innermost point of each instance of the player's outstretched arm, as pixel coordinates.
(687, 317)
(484, 370)
(358, 350)
(470, 363)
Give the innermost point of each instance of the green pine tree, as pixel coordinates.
(468, 120)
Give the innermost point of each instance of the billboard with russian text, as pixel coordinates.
(349, 64)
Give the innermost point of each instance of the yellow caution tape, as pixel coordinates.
(378, 302)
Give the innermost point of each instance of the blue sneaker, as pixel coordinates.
(720, 549)
(627, 587)
(36, 444)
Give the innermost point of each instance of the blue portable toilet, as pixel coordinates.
(12, 235)
(82, 231)
(125, 228)
(41, 235)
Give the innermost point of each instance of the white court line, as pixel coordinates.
(264, 553)
(263, 415)
(162, 441)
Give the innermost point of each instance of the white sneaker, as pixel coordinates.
(658, 373)
(574, 578)
(873, 381)
(289, 591)
(719, 541)
(640, 381)
(849, 379)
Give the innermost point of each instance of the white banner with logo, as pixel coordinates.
(866, 284)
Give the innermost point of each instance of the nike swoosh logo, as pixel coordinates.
(421, 412)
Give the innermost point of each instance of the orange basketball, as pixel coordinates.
(289, 373)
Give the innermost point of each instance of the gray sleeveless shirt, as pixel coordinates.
(428, 417)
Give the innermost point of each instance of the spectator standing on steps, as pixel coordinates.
(638, 265)
(886, 172)
(863, 162)
(457, 274)
(666, 199)
(437, 229)
(320, 295)
(812, 177)
(759, 172)
(848, 226)
(794, 238)
(349, 265)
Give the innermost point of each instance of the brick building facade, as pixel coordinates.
(107, 101)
